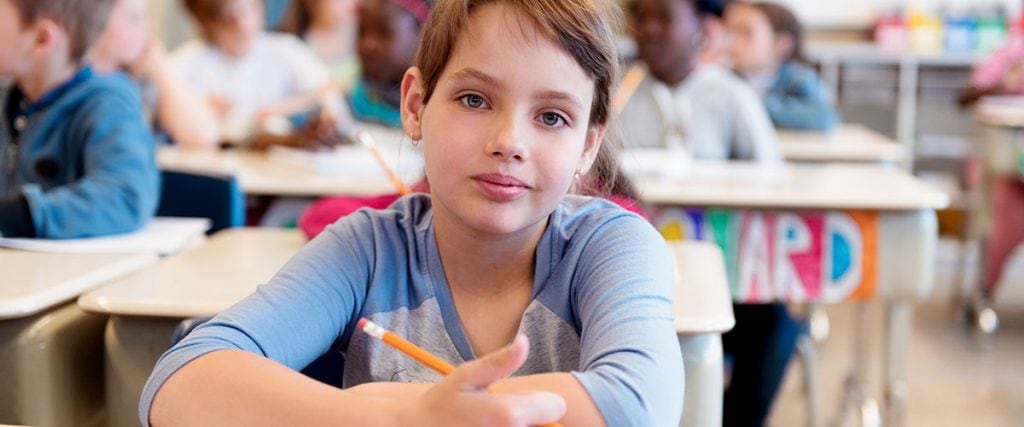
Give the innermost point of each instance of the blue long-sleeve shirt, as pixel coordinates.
(601, 309)
(81, 156)
(798, 99)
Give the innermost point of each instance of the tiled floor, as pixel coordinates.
(956, 379)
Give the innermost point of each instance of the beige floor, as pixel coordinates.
(956, 379)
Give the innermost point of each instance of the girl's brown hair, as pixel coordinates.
(584, 30)
(784, 23)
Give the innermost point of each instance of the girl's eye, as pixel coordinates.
(552, 119)
(473, 101)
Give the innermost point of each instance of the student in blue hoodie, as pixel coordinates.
(767, 51)
(77, 157)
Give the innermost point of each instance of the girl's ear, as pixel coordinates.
(412, 104)
(593, 144)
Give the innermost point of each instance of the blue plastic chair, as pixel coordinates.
(217, 197)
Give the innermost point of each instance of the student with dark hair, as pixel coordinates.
(686, 103)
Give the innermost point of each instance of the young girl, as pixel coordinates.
(767, 50)
(684, 103)
(497, 250)
(329, 26)
(126, 45)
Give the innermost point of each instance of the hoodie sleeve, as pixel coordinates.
(120, 185)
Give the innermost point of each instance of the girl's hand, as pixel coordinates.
(461, 399)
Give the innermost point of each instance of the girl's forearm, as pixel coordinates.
(233, 387)
(580, 408)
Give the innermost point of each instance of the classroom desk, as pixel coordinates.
(824, 233)
(145, 308)
(49, 358)
(261, 173)
(847, 143)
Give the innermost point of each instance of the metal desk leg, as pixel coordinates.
(857, 401)
(899, 323)
(132, 344)
(702, 360)
(906, 110)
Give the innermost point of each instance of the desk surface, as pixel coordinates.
(210, 278)
(790, 186)
(846, 143)
(701, 303)
(258, 174)
(201, 281)
(34, 281)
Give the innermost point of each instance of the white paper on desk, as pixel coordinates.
(163, 236)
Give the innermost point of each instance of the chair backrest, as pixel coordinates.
(217, 197)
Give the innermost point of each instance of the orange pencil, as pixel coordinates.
(364, 138)
(412, 350)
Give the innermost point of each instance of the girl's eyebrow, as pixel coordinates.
(487, 79)
(474, 74)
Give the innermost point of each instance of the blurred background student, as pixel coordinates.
(127, 45)
(766, 46)
(389, 32)
(684, 103)
(715, 44)
(330, 27)
(252, 79)
(78, 156)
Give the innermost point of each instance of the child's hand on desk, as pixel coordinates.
(461, 398)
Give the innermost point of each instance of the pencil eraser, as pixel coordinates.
(362, 323)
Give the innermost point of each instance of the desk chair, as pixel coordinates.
(217, 197)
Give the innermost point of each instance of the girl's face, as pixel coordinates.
(668, 36)
(245, 24)
(124, 40)
(752, 45)
(502, 134)
(388, 38)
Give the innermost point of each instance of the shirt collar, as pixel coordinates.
(48, 98)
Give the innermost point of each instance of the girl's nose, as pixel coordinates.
(507, 141)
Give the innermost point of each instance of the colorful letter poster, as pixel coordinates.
(779, 256)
